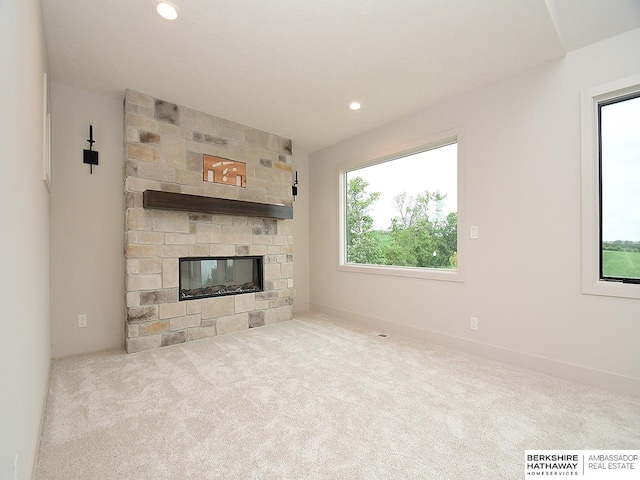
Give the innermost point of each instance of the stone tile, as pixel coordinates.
(262, 304)
(242, 250)
(133, 96)
(214, 149)
(130, 237)
(256, 319)
(198, 121)
(143, 152)
(167, 221)
(201, 217)
(154, 297)
(131, 330)
(270, 317)
(141, 123)
(284, 166)
(257, 250)
(149, 137)
(140, 251)
(271, 271)
(270, 295)
(173, 251)
(167, 112)
(141, 184)
(172, 310)
(170, 273)
(199, 250)
(156, 171)
(137, 266)
(245, 302)
(236, 234)
(285, 146)
(262, 240)
(140, 344)
(173, 338)
(142, 314)
(186, 177)
(179, 238)
(265, 162)
(215, 140)
(152, 328)
(193, 307)
(287, 270)
(285, 313)
(222, 250)
(251, 194)
(132, 134)
(168, 129)
(188, 321)
(143, 282)
(231, 134)
(257, 137)
(138, 219)
(194, 162)
(170, 187)
(133, 299)
(132, 199)
(217, 307)
(174, 151)
(233, 323)
(200, 333)
(151, 238)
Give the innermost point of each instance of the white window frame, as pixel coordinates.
(591, 282)
(416, 146)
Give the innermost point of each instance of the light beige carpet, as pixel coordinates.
(314, 399)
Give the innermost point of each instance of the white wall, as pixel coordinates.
(301, 232)
(24, 241)
(523, 275)
(87, 223)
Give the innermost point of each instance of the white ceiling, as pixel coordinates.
(291, 67)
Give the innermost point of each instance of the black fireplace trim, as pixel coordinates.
(259, 288)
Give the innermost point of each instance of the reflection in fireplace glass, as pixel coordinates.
(218, 276)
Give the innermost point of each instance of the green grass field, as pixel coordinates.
(621, 264)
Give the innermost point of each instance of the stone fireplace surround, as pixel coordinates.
(164, 145)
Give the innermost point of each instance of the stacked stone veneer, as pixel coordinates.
(164, 144)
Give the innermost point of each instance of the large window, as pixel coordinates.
(400, 213)
(619, 123)
(611, 189)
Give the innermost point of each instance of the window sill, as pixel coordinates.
(611, 289)
(410, 272)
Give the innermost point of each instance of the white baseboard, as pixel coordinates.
(576, 373)
(33, 468)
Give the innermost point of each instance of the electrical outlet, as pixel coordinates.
(474, 232)
(82, 320)
(473, 323)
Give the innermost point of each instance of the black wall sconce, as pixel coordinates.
(294, 187)
(91, 156)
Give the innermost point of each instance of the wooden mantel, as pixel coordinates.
(198, 203)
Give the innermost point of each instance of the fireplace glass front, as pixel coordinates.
(218, 276)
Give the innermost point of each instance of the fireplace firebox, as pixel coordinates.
(203, 277)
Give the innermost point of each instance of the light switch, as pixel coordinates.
(474, 232)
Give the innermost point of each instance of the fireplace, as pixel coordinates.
(203, 277)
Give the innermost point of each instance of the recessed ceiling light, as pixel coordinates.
(167, 10)
(355, 106)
